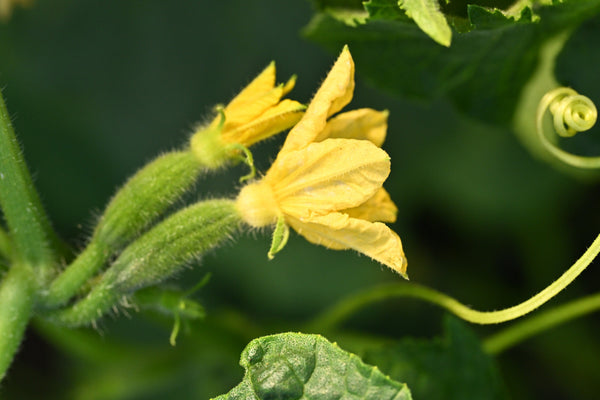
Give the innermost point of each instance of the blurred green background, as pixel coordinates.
(98, 88)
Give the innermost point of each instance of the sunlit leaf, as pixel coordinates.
(299, 366)
(427, 15)
(492, 56)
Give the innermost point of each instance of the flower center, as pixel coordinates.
(256, 204)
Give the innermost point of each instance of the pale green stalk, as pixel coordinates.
(529, 327)
(5, 245)
(70, 281)
(30, 230)
(572, 113)
(32, 241)
(350, 305)
(17, 297)
(155, 256)
(144, 198)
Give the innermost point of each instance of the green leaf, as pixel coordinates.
(385, 9)
(454, 367)
(298, 366)
(347, 4)
(491, 59)
(483, 18)
(427, 15)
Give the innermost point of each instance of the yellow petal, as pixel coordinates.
(262, 84)
(338, 231)
(289, 85)
(363, 124)
(245, 112)
(335, 92)
(379, 207)
(331, 175)
(276, 119)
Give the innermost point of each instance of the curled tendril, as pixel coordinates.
(571, 113)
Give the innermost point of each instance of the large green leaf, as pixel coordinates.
(300, 366)
(454, 367)
(427, 15)
(492, 56)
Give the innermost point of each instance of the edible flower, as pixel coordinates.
(256, 113)
(326, 182)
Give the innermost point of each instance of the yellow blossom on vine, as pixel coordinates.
(256, 113)
(6, 7)
(326, 182)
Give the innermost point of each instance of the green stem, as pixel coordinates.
(350, 305)
(155, 256)
(144, 198)
(542, 80)
(5, 245)
(17, 293)
(523, 330)
(29, 227)
(79, 271)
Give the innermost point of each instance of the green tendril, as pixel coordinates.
(529, 327)
(203, 282)
(571, 113)
(175, 330)
(350, 305)
(182, 307)
(247, 159)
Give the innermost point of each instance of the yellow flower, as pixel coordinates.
(326, 182)
(256, 113)
(6, 7)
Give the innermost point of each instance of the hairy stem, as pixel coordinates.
(79, 271)
(32, 235)
(350, 305)
(155, 256)
(5, 245)
(17, 293)
(529, 327)
(145, 197)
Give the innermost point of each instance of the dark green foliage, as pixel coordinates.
(450, 368)
(483, 72)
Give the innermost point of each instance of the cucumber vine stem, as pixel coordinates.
(350, 305)
(17, 298)
(30, 229)
(523, 330)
